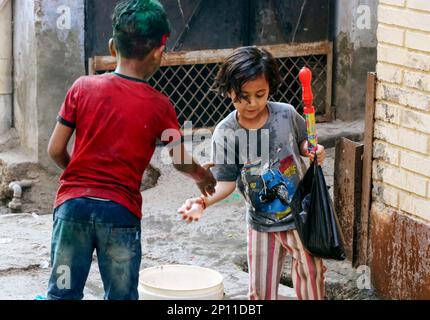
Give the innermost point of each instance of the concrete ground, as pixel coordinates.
(218, 242)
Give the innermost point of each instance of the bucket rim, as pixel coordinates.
(218, 274)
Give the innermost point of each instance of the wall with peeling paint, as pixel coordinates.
(60, 61)
(400, 215)
(49, 57)
(354, 55)
(25, 74)
(5, 66)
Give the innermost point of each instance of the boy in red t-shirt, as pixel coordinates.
(117, 118)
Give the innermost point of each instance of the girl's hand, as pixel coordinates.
(321, 154)
(192, 210)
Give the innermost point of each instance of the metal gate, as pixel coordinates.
(186, 76)
(221, 24)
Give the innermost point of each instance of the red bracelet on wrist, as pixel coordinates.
(203, 202)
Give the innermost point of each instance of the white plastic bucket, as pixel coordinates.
(180, 282)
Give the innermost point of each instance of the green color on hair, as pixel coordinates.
(138, 27)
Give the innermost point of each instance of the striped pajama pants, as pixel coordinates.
(266, 257)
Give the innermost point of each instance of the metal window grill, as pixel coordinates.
(290, 90)
(186, 78)
(189, 89)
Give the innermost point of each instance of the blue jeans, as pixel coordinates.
(83, 225)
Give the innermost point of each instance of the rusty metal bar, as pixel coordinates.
(186, 78)
(366, 199)
(91, 66)
(347, 192)
(103, 63)
(329, 84)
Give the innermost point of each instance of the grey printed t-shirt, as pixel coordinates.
(243, 155)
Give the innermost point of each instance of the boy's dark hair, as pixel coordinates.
(138, 27)
(246, 64)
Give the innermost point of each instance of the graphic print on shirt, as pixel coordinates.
(258, 178)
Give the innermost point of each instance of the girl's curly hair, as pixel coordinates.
(243, 65)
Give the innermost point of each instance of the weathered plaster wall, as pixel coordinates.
(49, 57)
(60, 61)
(5, 66)
(25, 74)
(354, 55)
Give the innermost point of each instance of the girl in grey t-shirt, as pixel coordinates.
(257, 143)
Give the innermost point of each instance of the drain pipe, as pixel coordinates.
(16, 186)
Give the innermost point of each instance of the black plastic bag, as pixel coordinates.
(315, 219)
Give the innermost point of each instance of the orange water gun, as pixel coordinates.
(305, 77)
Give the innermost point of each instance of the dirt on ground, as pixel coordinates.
(218, 241)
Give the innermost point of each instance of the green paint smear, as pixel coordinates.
(235, 197)
(142, 16)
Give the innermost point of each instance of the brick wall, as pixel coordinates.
(399, 254)
(402, 129)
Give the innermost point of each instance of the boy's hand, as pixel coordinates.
(206, 182)
(202, 175)
(192, 210)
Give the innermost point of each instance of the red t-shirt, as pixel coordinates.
(118, 120)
